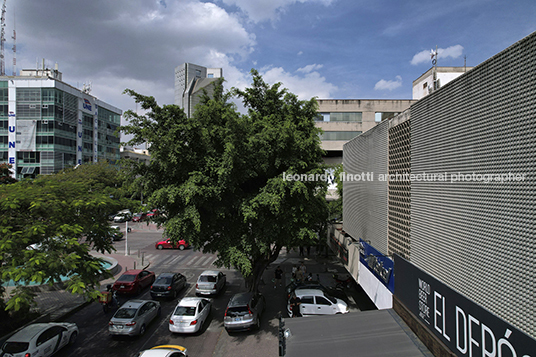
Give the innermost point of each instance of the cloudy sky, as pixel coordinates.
(339, 49)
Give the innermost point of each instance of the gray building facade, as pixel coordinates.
(190, 80)
(467, 213)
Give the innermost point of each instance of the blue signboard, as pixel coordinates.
(379, 264)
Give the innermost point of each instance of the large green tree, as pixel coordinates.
(222, 177)
(50, 224)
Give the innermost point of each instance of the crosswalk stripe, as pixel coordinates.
(191, 261)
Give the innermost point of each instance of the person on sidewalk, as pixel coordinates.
(295, 306)
(278, 274)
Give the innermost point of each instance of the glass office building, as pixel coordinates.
(47, 125)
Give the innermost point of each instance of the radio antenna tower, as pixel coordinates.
(14, 47)
(2, 40)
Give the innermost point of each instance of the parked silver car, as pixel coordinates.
(133, 317)
(244, 312)
(41, 339)
(210, 282)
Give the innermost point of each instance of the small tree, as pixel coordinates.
(50, 224)
(222, 177)
(5, 174)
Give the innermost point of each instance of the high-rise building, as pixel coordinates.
(190, 79)
(47, 125)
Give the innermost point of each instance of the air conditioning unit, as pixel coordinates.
(45, 122)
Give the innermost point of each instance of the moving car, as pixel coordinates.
(133, 317)
(210, 282)
(165, 351)
(138, 217)
(123, 216)
(317, 302)
(168, 285)
(244, 312)
(116, 233)
(190, 314)
(166, 243)
(41, 339)
(133, 281)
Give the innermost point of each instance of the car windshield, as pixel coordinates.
(15, 347)
(330, 298)
(163, 281)
(125, 313)
(127, 278)
(207, 279)
(237, 311)
(185, 311)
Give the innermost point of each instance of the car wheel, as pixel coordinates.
(142, 330)
(181, 247)
(73, 337)
(160, 247)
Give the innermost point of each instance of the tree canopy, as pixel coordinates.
(221, 177)
(49, 225)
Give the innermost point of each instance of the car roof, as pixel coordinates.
(189, 301)
(27, 333)
(166, 275)
(210, 272)
(307, 292)
(134, 304)
(240, 299)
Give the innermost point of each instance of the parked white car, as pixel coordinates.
(189, 315)
(41, 339)
(317, 302)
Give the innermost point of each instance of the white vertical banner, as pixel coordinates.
(26, 132)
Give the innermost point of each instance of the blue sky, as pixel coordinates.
(317, 48)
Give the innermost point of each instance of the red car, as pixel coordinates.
(133, 281)
(153, 213)
(166, 243)
(138, 217)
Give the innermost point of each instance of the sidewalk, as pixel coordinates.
(54, 303)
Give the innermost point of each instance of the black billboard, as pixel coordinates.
(466, 328)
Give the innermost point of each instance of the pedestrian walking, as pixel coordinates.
(299, 276)
(278, 274)
(294, 270)
(303, 269)
(295, 306)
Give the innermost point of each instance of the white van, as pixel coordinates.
(317, 302)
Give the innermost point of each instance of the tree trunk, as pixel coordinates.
(259, 266)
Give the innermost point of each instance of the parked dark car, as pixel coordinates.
(244, 312)
(168, 285)
(133, 281)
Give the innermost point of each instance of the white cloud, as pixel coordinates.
(306, 86)
(310, 68)
(424, 56)
(261, 10)
(388, 85)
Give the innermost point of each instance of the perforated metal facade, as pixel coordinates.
(477, 237)
(365, 197)
(399, 219)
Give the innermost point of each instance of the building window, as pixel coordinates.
(210, 75)
(198, 73)
(378, 117)
(339, 135)
(354, 117)
(28, 157)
